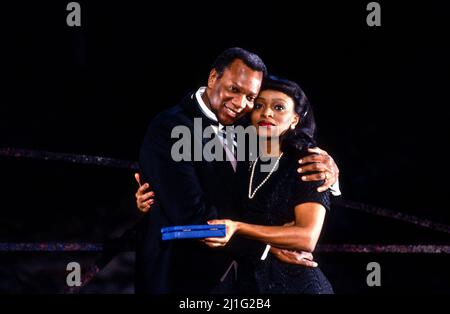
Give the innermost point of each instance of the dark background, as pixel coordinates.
(379, 95)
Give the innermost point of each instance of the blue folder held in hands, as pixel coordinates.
(193, 232)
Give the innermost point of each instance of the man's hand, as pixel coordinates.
(144, 196)
(323, 165)
(293, 257)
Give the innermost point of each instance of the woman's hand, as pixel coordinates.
(144, 196)
(230, 226)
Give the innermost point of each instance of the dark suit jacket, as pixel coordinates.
(186, 192)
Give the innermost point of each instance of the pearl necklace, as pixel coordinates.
(250, 194)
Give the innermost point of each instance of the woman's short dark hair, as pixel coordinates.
(303, 135)
(252, 60)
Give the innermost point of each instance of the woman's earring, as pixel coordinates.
(292, 127)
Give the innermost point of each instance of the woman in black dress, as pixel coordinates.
(279, 208)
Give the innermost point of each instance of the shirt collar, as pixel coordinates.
(204, 108)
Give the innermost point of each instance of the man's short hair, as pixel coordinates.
(252, 60)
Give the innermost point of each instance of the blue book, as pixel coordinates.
(193, 232)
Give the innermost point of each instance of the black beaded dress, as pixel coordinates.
(273, 205)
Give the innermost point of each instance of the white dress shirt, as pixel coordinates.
(204, 108)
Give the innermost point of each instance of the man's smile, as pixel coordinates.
(230, 111)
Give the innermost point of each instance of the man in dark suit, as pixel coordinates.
(194, 191)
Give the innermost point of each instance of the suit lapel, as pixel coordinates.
(224, 168)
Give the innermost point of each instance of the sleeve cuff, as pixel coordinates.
(266, 251)
(334, 189)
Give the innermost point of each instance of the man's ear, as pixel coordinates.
(212, 78)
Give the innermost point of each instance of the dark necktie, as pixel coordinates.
(230, 142)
